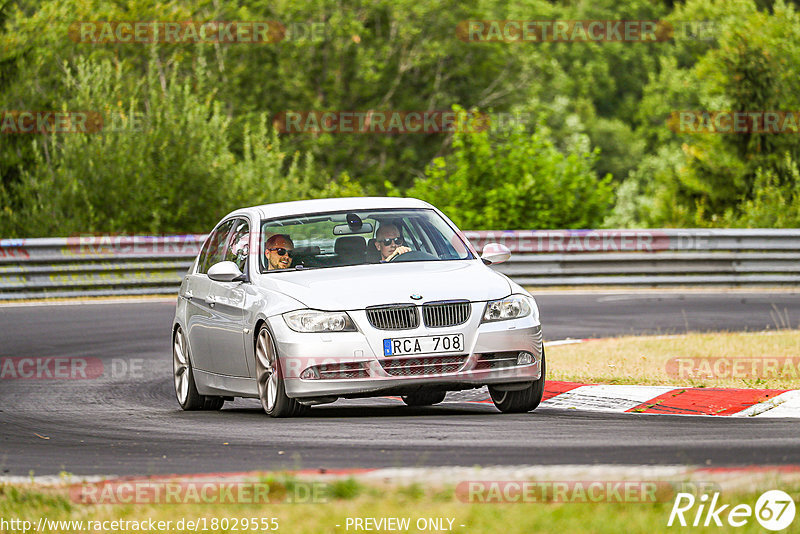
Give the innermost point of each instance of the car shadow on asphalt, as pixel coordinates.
(343, 410)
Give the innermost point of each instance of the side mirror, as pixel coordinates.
(225, 271)
(495, 253)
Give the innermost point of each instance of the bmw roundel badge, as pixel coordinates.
(416, 296)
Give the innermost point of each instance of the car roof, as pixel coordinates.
(322, 205)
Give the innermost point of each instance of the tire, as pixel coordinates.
(520, 401)
(425, 398)
(271, 387)
(183, 378)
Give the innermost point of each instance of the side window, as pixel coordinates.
(203, 255)
(239, 245)
(214, 250)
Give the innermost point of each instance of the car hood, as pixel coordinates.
(357, 287)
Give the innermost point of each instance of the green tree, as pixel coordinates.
(516, 180)
(162, 162)
(775, 202)
(749, 66)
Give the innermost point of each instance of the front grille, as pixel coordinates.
(400, 317)
(423, 365)
(496, 360)
(439, 314)
(343, 370)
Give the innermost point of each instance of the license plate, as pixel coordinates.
(423, 345)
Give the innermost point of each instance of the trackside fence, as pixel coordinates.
(93, 265)
(649, 258)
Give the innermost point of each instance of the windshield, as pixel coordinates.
(358, 237)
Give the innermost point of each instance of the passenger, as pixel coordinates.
(389, 242)
(278, 250)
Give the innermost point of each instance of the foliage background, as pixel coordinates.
(193, 136)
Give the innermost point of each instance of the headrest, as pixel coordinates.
(350, 244)
(373, 254)
(306, 251)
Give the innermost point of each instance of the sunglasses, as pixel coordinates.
(282, 251)
(388, 241)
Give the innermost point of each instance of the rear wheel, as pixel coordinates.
(183, 378)
(426, 398)
(520, 401)
(271, 387)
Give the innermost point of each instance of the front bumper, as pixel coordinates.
(358, 368)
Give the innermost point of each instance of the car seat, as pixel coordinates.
(350, 249)
(373, 254)
(305, 256)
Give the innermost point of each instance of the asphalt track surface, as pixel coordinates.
(128, 422)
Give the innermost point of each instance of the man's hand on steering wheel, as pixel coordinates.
(397, 252)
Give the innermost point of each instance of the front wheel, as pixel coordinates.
(271, 387)
(427, 398)
(520, 401)
(183, 378)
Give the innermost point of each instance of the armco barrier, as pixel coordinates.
(125, 265)
(649, 258)
(95, 265)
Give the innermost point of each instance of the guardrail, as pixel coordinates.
(650, 258)
(95, 265)
(129, 265)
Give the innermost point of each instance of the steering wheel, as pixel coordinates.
(414, 255)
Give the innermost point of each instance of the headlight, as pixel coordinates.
(512, 307)
(319, 321)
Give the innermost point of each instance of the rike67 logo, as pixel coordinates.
(774, 510)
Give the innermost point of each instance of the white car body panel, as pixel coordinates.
(360, 286)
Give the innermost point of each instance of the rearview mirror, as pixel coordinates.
(347, 229)
(225, 271)
(495, 253)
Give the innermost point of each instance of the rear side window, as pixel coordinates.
(214, 249)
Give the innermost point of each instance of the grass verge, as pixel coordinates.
(435, 510)
(763, 360)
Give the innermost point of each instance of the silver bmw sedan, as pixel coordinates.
(302, 303)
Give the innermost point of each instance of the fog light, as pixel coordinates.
(310, 373)
(524, 358)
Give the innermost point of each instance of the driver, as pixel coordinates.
(389, 242)
(278, 250)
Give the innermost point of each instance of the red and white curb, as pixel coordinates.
(669, 400)
(659, 400)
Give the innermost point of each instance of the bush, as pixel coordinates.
(515, 180)
(775, 204)
(169, 171)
